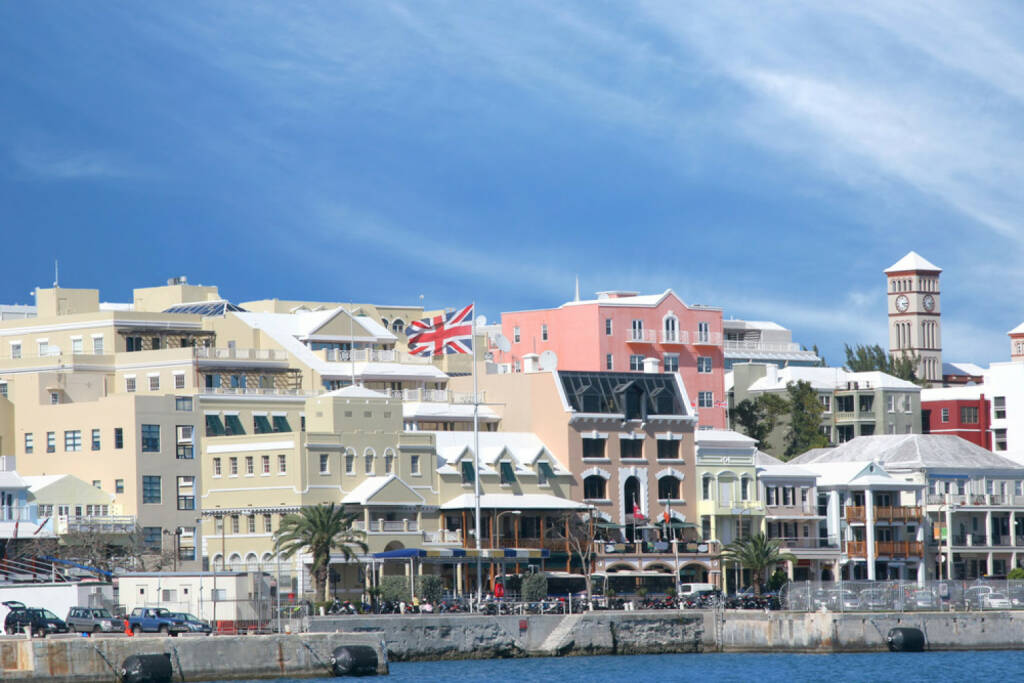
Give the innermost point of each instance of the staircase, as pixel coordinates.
(556, 639)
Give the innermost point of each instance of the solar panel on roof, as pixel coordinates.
(206, 308)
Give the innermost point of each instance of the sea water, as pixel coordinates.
(717, 668)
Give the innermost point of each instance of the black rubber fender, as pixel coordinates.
(147, 669)
(354, 660)
(905, 639)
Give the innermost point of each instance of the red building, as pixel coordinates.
(623, 331)
(960, 411)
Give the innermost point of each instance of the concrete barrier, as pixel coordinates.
(73, 660)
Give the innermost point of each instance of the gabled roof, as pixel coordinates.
(524, 448)
(354, 391)
(913, 261)
(10, 479)
(856, 474)
(828, 379)
(603, 299)
(913, 451)
(364, 493)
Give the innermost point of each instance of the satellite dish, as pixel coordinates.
(481, 320)
(549, 361)
(502, 342)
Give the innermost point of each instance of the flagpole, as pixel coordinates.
(476, 459)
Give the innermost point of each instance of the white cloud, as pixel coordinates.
(52, 164)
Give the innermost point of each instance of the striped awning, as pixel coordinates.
(457, 554)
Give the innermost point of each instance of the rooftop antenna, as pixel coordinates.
(577, 288)
(56, 273)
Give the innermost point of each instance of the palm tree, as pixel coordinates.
(757, 553)
(321, 528)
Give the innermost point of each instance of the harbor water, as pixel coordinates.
(762, 668)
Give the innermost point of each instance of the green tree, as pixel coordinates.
(535, 587)
(805, 410)
(759, 416)
(321, 529)
(757, 553)
(394, 589)
(1016, 574)
(862, 358)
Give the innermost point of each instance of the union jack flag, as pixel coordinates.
(442, 334)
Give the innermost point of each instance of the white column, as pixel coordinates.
(988, 528)
(1013, 528)
(991, 563)
(949, 541)
(869, 531)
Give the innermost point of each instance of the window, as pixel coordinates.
(29, 442)
(183, 404)
(609, 363)
(844, 404)
(325, 464)
(118, 437)
(945, 414)
(668, 488)
(267, 524)
(704, 364)
(150, 438)
(844, 433)
(233, 425)
(282, 464)
(414, 464)
(671, 362)
(95, 439)
(544, 473)
(185, 447)
(151, 489)
(594, 488)
(154, 382)
(97, 344)
(54, 398)
(350, 463)
(261, 424)
(151, 537)
(467, 472)
(705, 399)
(703, 333)
(636, 362)
(96, 484)
(744, 489)
(826, 402)
(631, 448)
(1000, 439)
(507, 472)
(179, 382)
(999, 407)
(250, 523)
(76, 345)
(608, 327)
(668, 449)
(119, 486)
(250, 466)
(636, 330)
(3, 389)
(43, 347)
(214, 426)
(515, 334)
(51, 442)
(705, 487)
(73, 440)
(216, 467)
(368, 463)
(129, 384)
(265, 464)
(593, 448)
(15, 351)
(389, 462)
(865, 403)
(867, 429)
(234, 524)
(544, 332)
(281, 424)
(186, 493)
(891, 403)
(969, 415)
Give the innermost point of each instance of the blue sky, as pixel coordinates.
(769, 158)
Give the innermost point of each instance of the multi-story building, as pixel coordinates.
(961, 411)
(757, 341)
(616, 332)
(915, 325)
(19, 515)
(855, 403)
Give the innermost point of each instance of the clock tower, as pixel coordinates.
(914, 323)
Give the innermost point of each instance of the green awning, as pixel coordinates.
(609, 525)
(545, 470)
(214, 427)
(467, 472)
(674, 524)
(508, 475)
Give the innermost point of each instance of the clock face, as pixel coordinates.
(902, 303)
(929, 302)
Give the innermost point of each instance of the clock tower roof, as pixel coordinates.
(913, 261)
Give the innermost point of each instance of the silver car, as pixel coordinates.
(93, 620)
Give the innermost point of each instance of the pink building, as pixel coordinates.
(619, 331)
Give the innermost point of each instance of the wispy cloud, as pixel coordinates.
(52, 164)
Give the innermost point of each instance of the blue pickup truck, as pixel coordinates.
(155, 620)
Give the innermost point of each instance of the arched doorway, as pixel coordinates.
(693, 573)
(631, 498)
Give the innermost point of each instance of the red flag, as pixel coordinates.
(668, 517)
(636, 511)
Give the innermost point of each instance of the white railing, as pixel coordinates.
(674, 337)
(756, 347)
(643, 336)
(706, 338)
(108, 524)
(386, 526)
(443, 536)
(228, 353)
(23, 513)
(434, 395)
(246, 391)
(373, 356)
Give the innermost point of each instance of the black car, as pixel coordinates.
(194, 623)
(42, 621)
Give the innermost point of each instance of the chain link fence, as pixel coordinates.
(902, 596)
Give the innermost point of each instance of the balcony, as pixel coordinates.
(706, 338)
(444, 537)
(856, 514)
(434, 395)
(659, 548)
(371, 356)
(759, 347)
(229, 353)
(253, 391)
(674, 337)
(641, 336)
(806, 542)
(387, 526)
(886, 549)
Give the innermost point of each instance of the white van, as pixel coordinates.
(689, 589)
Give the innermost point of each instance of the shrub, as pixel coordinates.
(429, 588)
(394, 588)
(535, 587)
(1016, 574)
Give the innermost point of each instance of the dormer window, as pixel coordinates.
(467, 472)
(508, 473)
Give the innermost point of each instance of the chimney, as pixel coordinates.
(531, 362)
(650, 365)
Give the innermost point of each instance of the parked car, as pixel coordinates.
(922, 598)
(93, 620)
(875, 599)
(155, 620)
(995, 601)
(41, 621)
(194, 623)
(975, 595)
(841, 600)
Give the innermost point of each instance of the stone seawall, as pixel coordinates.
(76, 659)
(410, 638)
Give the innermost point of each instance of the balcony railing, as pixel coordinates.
(443, 536)
(658, 548)
(372, 356)
(706, 338)
(641, 336)
(882, 513)
(674, 337)
(806, 542)
(250, 391)
(106, 524)
(220, 353)
(759, 347)
(886, 548)
(434, 395)
(384, 526)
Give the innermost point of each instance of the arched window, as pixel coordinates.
(398, 326)
(745, 488)
(668, 488)
(671, 329)
(389, 461)
(368, 457)
(595, 488)
(235, 562)
(350, 462)
(705, 487)
(385, 323)
(252, 562)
